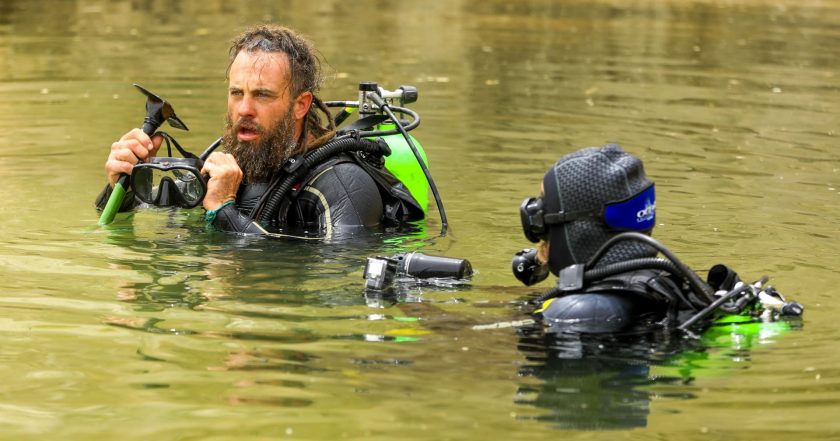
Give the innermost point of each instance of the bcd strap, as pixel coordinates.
(571, 278)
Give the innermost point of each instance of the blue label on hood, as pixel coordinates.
(635, 214)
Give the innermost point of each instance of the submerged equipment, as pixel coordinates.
(732, 296)
(157, 111)
(380, 272)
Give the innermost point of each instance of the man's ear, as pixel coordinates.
(302, 104)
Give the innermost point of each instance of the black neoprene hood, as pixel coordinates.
(586, 181)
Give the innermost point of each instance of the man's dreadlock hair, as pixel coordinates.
(304, 73)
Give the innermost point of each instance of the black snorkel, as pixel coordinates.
(157, 112)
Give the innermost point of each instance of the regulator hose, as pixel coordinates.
(297, 168)
(700, 288)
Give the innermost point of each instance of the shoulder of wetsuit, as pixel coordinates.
(400, 205)
(338, 188)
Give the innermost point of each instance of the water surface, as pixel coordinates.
(156, 327)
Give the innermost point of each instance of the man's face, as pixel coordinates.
(263, 122)
(258, 92)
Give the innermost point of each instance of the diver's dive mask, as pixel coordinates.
(637, 213)
(170, 181)
(167, 181)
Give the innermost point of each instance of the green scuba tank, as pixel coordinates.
(402, 164)
(723, 346)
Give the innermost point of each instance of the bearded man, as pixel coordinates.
(273, 115)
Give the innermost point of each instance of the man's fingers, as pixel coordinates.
(115, 167)
(133, 146)
(219, 162)
(124, 154)
(141, 137)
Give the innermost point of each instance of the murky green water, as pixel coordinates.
(154, 328)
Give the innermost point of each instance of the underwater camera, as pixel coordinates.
(380, 272)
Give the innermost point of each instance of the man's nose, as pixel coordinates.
(245, 107)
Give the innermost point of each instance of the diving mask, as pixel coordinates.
(170, 181)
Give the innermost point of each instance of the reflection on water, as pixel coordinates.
(590, 382)
(157, 327)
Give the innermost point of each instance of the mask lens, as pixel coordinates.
(185, 186)
(189, 185)
(142, 182)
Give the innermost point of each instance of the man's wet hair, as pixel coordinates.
(304, 65)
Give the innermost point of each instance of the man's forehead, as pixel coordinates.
(260, 68)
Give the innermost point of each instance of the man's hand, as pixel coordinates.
(132, 147)
(225, 177)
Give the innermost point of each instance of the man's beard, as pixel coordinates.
(258, 160)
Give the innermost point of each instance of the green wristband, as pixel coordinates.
(210, 216)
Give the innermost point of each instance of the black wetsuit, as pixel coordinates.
(344, 193)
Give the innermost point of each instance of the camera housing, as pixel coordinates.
(380, 272)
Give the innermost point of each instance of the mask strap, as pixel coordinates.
(180, 149)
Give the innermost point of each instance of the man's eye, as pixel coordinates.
(235, 93)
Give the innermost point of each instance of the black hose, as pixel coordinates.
(700, 288)
(415, 118)
(203, 156)
(387, 109)
(629, 265)
(622, 267)
(298, 168)
(415, 121)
